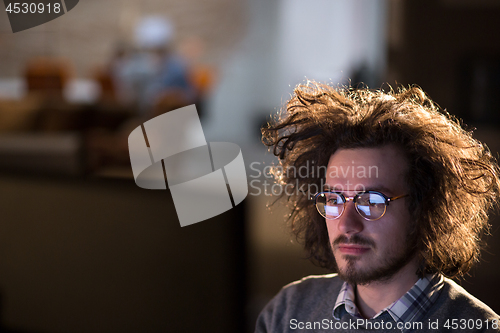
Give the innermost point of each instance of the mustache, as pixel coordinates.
(354, 240)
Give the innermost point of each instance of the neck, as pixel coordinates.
(373, 297)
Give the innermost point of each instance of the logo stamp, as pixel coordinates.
(205, 179)
(26, 14)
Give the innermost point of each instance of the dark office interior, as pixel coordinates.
(83, 249)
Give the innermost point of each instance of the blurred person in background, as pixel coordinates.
(395, 200)
(153, 74)
(151, 78)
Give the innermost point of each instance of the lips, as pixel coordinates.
(352, 249)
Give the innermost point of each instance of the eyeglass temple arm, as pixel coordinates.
(398, 197)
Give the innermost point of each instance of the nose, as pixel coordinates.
(350, 222)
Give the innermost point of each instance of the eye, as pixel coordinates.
(375, 199)
(370, 199)
(331, 201)
(364, 200)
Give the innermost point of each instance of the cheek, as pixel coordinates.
(331, 226)
(395, 236)
(398, 227)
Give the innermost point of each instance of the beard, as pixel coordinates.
(384, 270)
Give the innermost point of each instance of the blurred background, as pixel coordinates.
(82, 249)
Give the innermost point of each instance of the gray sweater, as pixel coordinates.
(307, 306)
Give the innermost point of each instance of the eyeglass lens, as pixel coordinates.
(371, 206)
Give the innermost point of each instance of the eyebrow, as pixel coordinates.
(377, 187)
(380, 188)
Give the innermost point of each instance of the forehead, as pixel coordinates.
(379, 168)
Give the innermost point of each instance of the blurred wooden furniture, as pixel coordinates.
(47, 75)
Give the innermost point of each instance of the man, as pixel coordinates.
(395, 202)
(154, 76)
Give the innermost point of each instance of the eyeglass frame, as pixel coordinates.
(346, 199)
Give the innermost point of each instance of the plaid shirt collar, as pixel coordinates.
(411, 307)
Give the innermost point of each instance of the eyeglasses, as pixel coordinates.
(371, 205)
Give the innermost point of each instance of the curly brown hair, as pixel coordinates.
(452, 177)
